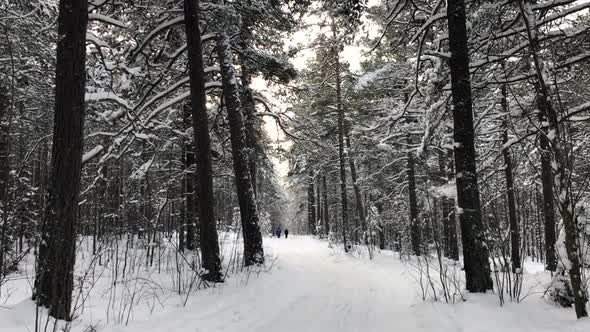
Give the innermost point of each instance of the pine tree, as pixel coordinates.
(475, 253)
(204, 184)
(253, 250)
(55, 267)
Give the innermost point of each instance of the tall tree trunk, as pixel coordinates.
(445, 207)
(311, 218)
(453, 237)
(5, 120)
(561, 169)
(55, 268)
(204, 184)
(512, 221)
(475, 252)
(355, 186)
(548, 197)
(318, 204)
(413, 202)
(189, 220)
(326, 213)
(253, 250)
(341, 152)
(379, 206)
(251, 122)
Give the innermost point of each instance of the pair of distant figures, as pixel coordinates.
(278, 232)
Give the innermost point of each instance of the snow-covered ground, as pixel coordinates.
(311, 287)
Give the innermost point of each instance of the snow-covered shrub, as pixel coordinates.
(438, 278)
(560, 289)
(265, 223)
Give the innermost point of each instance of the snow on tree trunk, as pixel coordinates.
(560, 168)
(251, 122)
(190, 219)
(56, 259)
(475, 252)
(548, 204)
(207, 224)
(253, 251)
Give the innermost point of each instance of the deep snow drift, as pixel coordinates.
(311, 287)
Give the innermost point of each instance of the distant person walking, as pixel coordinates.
(286, 233)
(279, 232)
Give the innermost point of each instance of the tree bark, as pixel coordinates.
(475, 253)
(190, 214)
(207, 224)
(251, 122)
(55, 268)
(548, 203)
(253, 250)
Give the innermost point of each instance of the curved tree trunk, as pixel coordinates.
(55, 268)
(207, 224)
(253, 250)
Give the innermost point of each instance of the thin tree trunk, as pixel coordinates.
(4, 174)
(445, 208)
(253, 250)
(357, 190)
(326, 214)
(512, 220)
(311, 220)
(189, 220)
(207, 224)
(413, 202)
(318, 204)
(341, 152)
(55, 268)
(475, 253)
(451, 207)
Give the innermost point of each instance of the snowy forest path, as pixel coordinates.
(313, 288)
